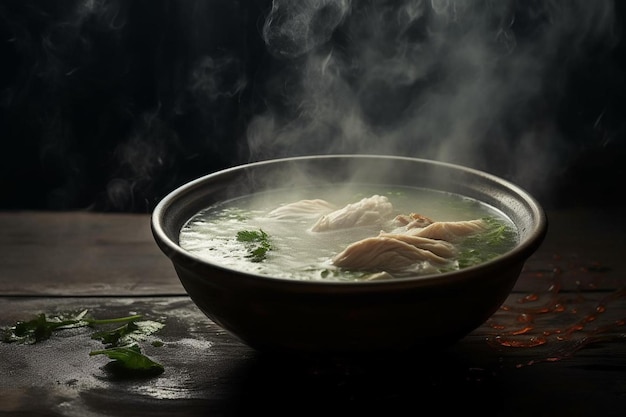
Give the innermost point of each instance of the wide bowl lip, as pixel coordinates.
(517, 255)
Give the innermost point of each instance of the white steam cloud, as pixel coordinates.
(110, 104)
(474, 82)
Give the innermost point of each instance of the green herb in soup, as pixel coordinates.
(258, 244)
(358, 233)
(484, 246)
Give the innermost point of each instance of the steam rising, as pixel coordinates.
(134, 98)
(293, 28)
(472, 82)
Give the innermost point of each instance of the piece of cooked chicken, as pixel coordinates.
(450, 231)
(370, 211)
(412, 220)
(399, 250)
(388, 253)
(303, 209)
(436, 246)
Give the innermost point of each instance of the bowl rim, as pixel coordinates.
(523, 250)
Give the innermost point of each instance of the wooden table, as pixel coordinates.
(556, 348)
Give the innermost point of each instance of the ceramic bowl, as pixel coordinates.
(318, 317)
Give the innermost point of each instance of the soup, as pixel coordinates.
(362, 232)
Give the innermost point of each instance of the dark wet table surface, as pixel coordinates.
(557, 347)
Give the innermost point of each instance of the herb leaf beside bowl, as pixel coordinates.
(121, 342)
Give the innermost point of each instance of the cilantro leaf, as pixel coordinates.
(127, 334)
(258, 244)
(121, 342)
(481, 247)
(128, 360)
(41, 327)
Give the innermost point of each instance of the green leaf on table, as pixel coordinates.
(42, 326)
(128, 360)
(121, 342)
(134, 331)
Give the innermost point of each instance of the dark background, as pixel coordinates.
(109, 105)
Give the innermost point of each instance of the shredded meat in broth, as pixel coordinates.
(303, 208)
(386, 253)
(396, 251)
(369, 211)
(450, 231)
(417, 239)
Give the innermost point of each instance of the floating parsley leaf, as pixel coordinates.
(258, 244)
(486, 245)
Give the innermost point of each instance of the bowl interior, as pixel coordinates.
(179, 206)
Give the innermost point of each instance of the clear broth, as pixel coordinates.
(297, 253)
